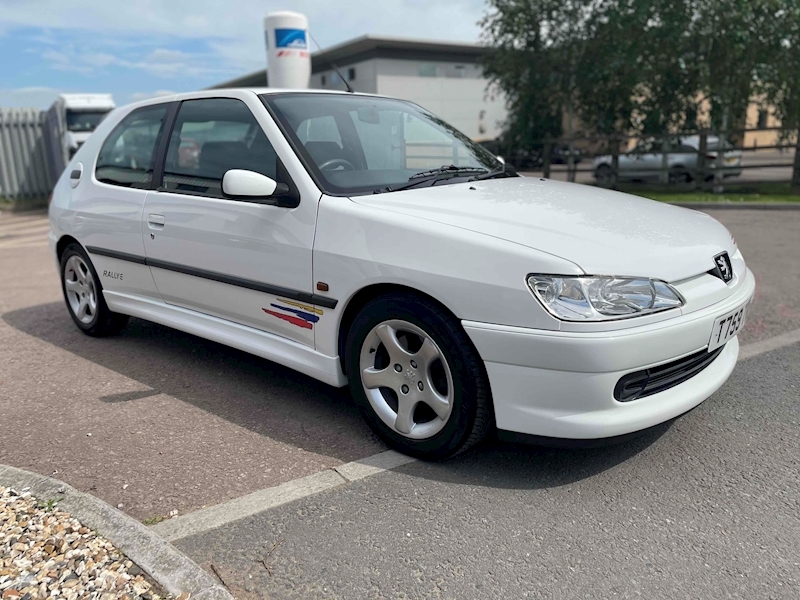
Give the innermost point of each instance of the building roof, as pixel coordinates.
(367, 47)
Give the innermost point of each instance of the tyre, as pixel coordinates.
(679, 175)
(603, 174)
(417, 378)
(84, 295)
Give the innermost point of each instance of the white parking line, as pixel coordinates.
(218, 515)
(215, 516)
(769, 344)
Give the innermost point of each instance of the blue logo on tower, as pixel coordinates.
(291, 38)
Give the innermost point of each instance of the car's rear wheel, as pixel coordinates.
(603, 174)
(417, 378)
(84, 295)
(679, 175)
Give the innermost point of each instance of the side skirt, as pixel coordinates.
(266, 345)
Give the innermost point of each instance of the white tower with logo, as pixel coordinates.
(288, 55)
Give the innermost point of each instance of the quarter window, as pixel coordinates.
(211, 137)
(126, 157)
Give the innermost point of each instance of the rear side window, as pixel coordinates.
(126, 158)
(209, 138)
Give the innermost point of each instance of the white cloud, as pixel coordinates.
(451, 19)
(184, 44)
(135, 97)
(35, 97)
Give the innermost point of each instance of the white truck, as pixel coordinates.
(68, 124)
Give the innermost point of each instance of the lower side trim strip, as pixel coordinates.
(275, 290)
(141, 260)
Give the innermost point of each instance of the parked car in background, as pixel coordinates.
(645, 161)
(322, 230)
(532, 157)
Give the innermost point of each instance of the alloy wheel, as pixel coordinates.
(406, 379)
(81, 290)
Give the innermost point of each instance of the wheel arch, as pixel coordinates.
(63, 242)
(365, 295)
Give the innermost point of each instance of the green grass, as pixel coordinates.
(720, 198)
(771, 192)
(153, 520)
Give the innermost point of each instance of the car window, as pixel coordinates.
(355, 144)
(210, 137)
(126, 157)
(84, 120)
(319, 129)
(685, 149)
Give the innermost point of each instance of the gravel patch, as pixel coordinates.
(46, 553)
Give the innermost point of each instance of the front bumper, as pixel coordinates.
(561, 384)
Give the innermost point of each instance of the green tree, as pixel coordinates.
(535, 49)
(780, 77)
(609, 71)
(734, 39)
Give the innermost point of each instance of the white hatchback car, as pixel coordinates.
(360, 239)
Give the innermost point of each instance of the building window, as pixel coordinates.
(351, 73)
(762, 119)
(324, 80)
(335, 79)
(461, 71)
(428, 70)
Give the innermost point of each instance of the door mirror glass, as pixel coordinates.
(239, 183)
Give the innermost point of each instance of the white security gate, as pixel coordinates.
(24, 171)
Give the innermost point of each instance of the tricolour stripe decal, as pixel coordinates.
(220, 277)
(312, 318)
(302, 306)
(291, 319)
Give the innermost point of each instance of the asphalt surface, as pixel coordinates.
(706, 508)
(178, 423)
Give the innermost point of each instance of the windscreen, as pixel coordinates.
(356, 144)
(80, 121)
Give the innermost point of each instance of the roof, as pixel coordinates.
(367, 47)
(88, 101)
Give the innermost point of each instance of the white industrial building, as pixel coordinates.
(443, 77)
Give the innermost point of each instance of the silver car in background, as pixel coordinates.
(645, 161)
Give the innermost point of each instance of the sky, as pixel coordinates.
(136, 49)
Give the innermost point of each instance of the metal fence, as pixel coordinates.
(696, 159)
(25, 176)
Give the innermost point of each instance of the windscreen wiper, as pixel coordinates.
(432, 175)
(502, 171)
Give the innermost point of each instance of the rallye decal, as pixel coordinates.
(303, 315)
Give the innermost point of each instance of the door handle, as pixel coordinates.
(156, 221)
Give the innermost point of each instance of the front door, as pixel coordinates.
(237, 260)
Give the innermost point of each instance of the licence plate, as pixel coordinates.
(731, 160)
(726, 327)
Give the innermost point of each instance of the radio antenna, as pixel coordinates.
(335, 68)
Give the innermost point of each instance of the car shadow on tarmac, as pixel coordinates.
(519, 466)
(282, 404)
(254, 393)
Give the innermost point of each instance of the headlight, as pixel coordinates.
(602, 298)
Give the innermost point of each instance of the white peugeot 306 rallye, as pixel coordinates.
(363, 241)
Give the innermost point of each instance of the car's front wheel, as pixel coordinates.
(417, 378)
(84, 295)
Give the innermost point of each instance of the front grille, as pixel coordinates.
(657, 379)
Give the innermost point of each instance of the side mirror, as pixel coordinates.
(238, 183)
